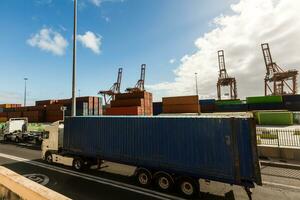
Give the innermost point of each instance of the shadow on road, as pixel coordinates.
(81, 184)
(22, 145)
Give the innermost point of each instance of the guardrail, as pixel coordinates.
(278, 137)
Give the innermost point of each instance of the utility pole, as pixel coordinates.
(25, 91)
(74, 62)
(196, 78)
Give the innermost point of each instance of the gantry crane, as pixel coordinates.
(140, 85)
(115, 89)
(278, 81)
(224, 80)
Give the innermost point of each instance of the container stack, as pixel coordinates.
(274, 118)
(50, 110)
(231, 106)
(265, 103)
(181, 104)
(292, 102)
(207, 105)
(134, 103)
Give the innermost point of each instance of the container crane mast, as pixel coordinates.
(224, 80)
(115, 89)
(278, 81)
(140, 85)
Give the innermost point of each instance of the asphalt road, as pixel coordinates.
(280, 183)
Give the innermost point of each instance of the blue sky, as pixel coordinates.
(129, 33)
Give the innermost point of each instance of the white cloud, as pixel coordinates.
(96, 2)
(253, 22)
(50, 41)
(91, 41)
(172, 61)
(99, 2)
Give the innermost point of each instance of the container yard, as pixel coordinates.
(167, 100)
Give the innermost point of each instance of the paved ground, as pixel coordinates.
(280, 184)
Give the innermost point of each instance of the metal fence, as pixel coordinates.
(278, 137)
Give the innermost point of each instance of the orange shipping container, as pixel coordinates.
(181, 108)
(127, 102)
(181, 100)
(3, 119)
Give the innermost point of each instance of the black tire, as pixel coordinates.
(49, 158)
(164, 181)
(188, 187)
(78, 164)
(144, 177)
(17, 140)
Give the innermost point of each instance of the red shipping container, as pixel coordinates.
(14, 115)
(135, 110)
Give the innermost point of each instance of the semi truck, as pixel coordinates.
(15, 129)
(170, 152)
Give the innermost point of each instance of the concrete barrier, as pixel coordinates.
(14, 186)
(283, 153)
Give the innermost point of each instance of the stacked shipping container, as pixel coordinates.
(134, 103)
(265, 103)
(207, 105)
(292, 102)
(181, 104)
(50, 110)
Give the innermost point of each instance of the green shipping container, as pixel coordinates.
(274, 118)
(228, 102)
(264, 99)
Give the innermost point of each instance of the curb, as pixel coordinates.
(280, 164)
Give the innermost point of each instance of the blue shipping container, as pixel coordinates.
(266, 106)
(207, 102)
(220, 149)
(232, 108)
(157, 108)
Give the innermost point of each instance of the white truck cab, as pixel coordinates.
(53, 143)
(15, 129)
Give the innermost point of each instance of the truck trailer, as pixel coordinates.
(167, 151)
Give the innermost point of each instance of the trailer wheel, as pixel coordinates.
(164, 181)
(188, 187)
(48, 157)
(144, 177)
(78, 164)
(17, 140)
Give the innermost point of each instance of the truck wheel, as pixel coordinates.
(164, 181)
(144, 177)
(48, 158)
(17, 140)
(78, 164)
(188, 187)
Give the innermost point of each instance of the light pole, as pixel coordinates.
(74, 62)
(196, 78)
(25, 91)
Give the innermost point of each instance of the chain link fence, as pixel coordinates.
(278, 137)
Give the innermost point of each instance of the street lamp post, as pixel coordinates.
(25, 91)
(74, 62)
(196, 78)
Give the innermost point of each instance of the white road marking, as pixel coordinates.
(281, 185)
(104, 181)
